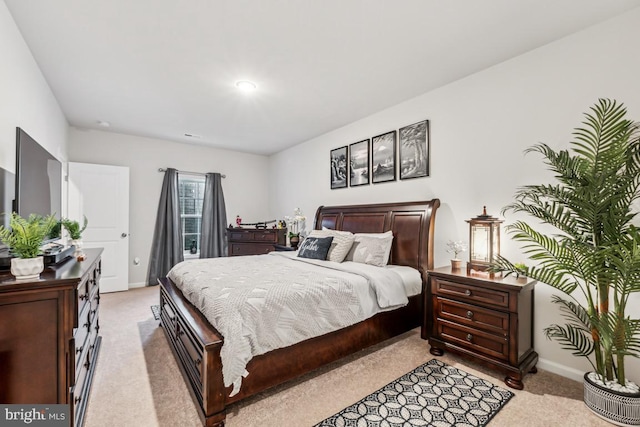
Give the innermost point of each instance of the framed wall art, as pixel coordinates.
(383, 157)
(414, 150)
(339, 168)
(359, 163)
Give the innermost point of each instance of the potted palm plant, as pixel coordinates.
(593, 258)
(24, 237)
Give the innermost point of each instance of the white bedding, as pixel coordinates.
(264, 302)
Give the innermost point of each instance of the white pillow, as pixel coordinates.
(342, 241)
(371, 248)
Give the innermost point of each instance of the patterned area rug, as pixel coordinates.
(155, 309)
(434, 394)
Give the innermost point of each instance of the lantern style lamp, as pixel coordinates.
(484, 241)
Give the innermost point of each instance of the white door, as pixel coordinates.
(101, 193)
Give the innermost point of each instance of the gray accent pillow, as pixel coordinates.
(371, 248)
(315, 247)
(342, 241)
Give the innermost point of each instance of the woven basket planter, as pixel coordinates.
(622, 409)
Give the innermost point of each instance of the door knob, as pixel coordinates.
(123, 235)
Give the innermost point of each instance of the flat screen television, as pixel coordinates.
(38, 179)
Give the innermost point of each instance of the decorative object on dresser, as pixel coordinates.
(295, 224)
(484, 241)
(246, 241)
(24, 238)
(487, 319)
(50, 358)
(417, 399)
(592, 254)
(456, 247)
(75, 234)
(197, 345)
(414, 150)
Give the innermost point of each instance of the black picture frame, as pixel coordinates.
(359, 163)
(338, 167)
(414, 150)
(383, 157)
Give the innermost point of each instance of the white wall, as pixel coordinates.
(25, 98)
(245, 187)
(479, 128)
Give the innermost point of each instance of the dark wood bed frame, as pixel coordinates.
(196, 344)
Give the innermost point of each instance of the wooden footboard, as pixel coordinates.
(196, 345)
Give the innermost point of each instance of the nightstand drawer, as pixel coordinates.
(493, 321)
(470, 293)
(474, 339)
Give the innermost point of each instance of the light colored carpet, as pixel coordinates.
(138, 382)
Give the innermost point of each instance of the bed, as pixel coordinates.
(197, 345)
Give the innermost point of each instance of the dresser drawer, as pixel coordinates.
(474, 316)
(474, 339)
(191, 351)
(267, 237)
(241, 236)
(470, 293)
(84, 327)
(249, 249)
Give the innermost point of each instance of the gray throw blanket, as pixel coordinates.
(261, 303)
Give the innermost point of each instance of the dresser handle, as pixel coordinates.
(77, 399)
(198, 361)
(79, 350)
(467, 293)
(469, 337)
(83, 296)
(470, 314)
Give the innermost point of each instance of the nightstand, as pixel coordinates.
(487, 319)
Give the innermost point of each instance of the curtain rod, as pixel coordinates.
(190, 173)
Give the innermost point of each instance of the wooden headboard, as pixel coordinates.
(412, 224)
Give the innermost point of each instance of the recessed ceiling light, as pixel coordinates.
(103, 124)
(246, 85)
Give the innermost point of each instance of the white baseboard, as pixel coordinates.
(565, 371)
(137, 285)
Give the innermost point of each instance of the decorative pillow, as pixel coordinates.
(342, 241)
(315, 247)
(371, 248)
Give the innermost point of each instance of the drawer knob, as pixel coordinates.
(469, 337)
(470, 314)
(467, 292)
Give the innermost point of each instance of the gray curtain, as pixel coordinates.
(166, 248)
(213, 238)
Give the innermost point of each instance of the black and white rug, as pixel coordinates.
(155, 309)
(434, 394)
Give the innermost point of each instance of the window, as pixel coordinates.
(191, 194)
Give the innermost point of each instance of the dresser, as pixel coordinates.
(487, 319)
(249, 241)
(49, 335)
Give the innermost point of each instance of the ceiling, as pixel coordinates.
(163, 68)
